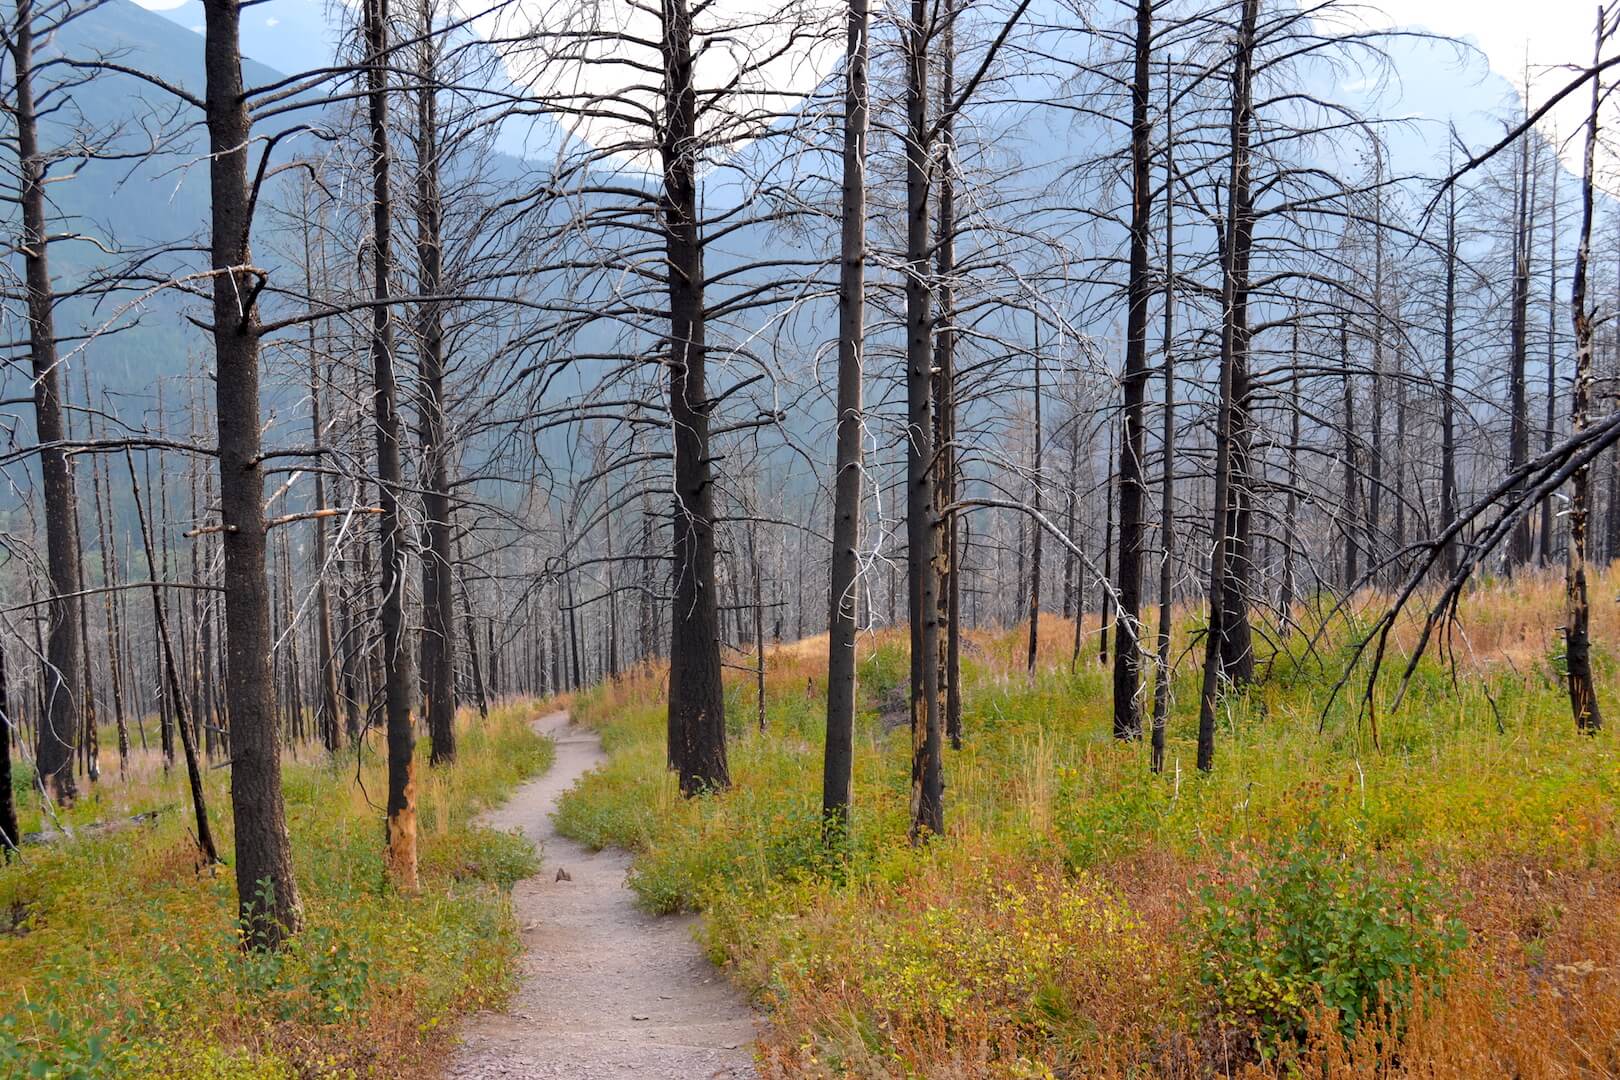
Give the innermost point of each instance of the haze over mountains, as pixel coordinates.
(162, 200)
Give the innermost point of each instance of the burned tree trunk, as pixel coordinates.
(1518, 553)
(326, 667)
(61, 719)
(1167, 483)
(1577, 640)
(1544, 541)
(697, 722)
(171, 677)
(927, 780)
(396, 652)
(267, 894)
(837, 760)
(1448, 390)
(110, 610)
(1133, 443)
(1227, 619)
(438, 570)
(944, 386)
(9, 835)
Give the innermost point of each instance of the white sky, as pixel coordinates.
(1517, 36)
(1508, 32)
(1555, 31)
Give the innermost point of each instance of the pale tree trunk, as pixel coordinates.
(1035, 483)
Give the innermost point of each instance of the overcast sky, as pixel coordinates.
(1555, 31)
(1546, 32)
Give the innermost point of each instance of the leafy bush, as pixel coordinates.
(1095, 826)
(1316, 927)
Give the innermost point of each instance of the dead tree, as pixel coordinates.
(1577, 640)
(267, 894)
(398, 682)
(1227, 637)
(60, 722)
(438, 567)
(1133, 443)
(838, 758)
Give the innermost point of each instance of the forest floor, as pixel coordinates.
(1436, 896)
(122, 958)
(606, 990)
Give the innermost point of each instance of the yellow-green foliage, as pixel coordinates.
(123, 960)
(1019, 933)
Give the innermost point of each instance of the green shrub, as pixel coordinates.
(1096, 826)
(1316, 926)
(481, 854)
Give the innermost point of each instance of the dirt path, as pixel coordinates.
(607, 991)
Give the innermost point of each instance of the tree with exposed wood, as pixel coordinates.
(1577, 622)
(398, 679)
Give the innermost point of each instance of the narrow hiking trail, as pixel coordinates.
(606, 990)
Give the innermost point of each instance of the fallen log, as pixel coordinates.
(95, 828)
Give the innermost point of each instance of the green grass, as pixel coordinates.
(122, 959)
(1041, 787)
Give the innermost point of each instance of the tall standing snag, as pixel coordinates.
(8, 804)
(1132, 443)
(697, 721)
(1228, 625)
(1577, 642)
(438, 563)
(267, 894)
(1167, 484)
(397, 676)
(927, 780)
(59, 722)
(171, 679)
(839, 753)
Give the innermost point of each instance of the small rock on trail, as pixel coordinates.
(607, 991)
